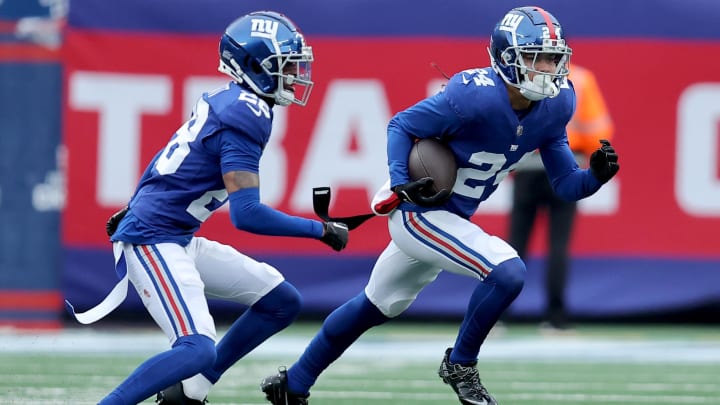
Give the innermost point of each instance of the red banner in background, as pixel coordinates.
(126, 95)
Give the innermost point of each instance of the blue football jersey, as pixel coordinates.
(473, 116)
(183, 184)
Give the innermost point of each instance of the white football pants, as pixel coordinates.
(424, 244)
(174, 281)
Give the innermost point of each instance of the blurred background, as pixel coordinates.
(90, 90)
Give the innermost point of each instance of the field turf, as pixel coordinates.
(394, 364)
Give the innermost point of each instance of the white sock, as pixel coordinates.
(197, 387)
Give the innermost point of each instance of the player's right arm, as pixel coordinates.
(430, 118)
(443, 114)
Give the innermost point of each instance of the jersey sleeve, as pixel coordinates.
(238, 151)
(432, 117)
(249, 214)
(245, 122)
(568, 181)
(474, 93)
(463, 106)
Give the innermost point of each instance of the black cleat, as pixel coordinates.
(276, 391)
(174, 395)
(465, 381)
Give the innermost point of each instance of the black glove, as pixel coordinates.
(335, 235)
(603, 162)
(419, 192)
(113, 222)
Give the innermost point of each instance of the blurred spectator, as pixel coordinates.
(533, 192)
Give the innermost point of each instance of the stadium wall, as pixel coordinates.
(31, 176)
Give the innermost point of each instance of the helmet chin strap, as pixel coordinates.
(540, 87)
(284, 97)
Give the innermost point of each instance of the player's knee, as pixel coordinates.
(397, 307)
(359, 312)
(509, 275)
(199, 352)
(390, 305)
(283, 302)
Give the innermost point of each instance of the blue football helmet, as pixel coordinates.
(266, 51)
(524, 37)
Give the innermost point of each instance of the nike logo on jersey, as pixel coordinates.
(258, 112)
(253, 102)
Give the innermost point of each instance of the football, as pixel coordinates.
(431, 158)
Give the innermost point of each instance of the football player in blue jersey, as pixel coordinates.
(214, 158)
(490, 118)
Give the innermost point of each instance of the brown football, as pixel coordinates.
(431, 158)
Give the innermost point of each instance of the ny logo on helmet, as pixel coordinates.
(510, 22)
(263, 28)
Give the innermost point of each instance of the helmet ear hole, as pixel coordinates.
(256, 68)
(507, 57)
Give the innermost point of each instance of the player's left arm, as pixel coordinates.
(240, 155)
(239, 161)
(568, 181)
(249, 214)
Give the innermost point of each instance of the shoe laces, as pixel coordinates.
(470, 376)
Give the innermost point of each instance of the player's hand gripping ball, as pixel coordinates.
(433, 170)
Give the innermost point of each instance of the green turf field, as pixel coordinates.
(394, 364)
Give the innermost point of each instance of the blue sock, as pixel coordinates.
(189, 355)
(490, 298)
(341, 328)
(272, 313)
